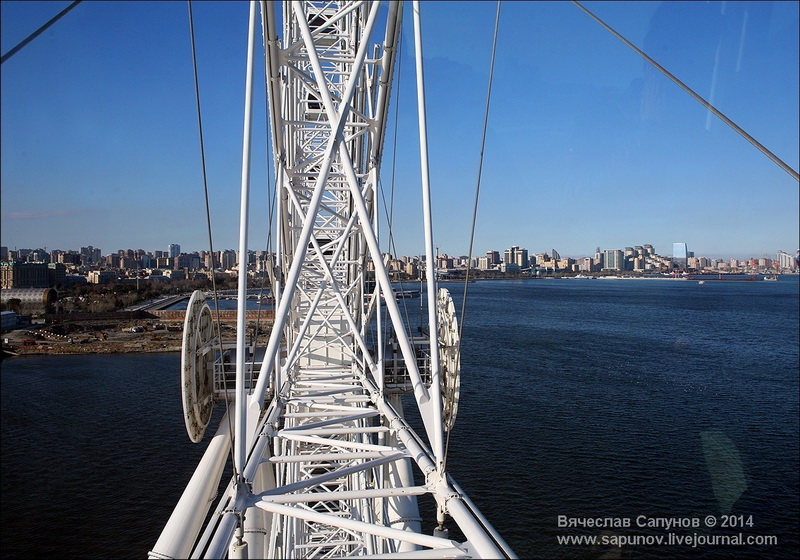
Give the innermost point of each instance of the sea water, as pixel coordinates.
(663, 403)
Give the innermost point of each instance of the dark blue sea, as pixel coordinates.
(580, 399)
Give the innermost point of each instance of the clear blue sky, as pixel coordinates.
(587, 145)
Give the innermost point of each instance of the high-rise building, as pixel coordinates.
(613, 259)
(90, 255)
(24, 275)
(680, 254)
(516, 256)
(174, 250)
(227, 259)
(785, 261)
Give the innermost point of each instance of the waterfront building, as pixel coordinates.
(509, 267)
(599, 260)
(394, 265)
(680, 255)
(493, 257)
(516, 256)
(613, 259)
(444, 261)
(785, 261)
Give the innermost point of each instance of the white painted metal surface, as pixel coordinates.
(325, 464)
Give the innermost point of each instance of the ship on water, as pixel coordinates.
(324, 463)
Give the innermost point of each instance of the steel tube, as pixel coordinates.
(240, 422)
(430, 267)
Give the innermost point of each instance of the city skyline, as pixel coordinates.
(168, 251)
(586, 144)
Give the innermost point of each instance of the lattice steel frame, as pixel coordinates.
(326, 467)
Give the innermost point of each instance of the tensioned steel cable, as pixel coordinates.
(475, 206)
(480, 168)
(208, 223)
(38, 32)
(691, 92)
(389, 209)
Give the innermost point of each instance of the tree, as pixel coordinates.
(14, 304)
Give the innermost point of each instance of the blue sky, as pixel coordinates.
(587, 145)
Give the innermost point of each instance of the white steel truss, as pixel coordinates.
(324, 463)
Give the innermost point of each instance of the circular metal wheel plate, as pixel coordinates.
(196, 367)
(449, 357)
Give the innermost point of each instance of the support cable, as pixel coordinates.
(477, 194)
(702, 101)
(38, 32)
(208, 221)
(389, 208)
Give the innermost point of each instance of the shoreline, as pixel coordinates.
(92, 337)
(81, 350)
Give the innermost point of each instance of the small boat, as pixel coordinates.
(406, 294)
(403, 294)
